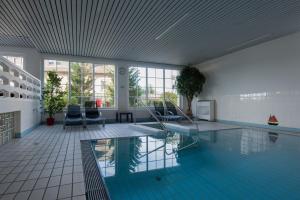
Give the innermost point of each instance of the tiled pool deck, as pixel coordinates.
(46, 164)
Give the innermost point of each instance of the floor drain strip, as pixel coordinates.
(94, 184)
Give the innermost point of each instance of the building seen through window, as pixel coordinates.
(85, 81)
(148, 84)
(16, 60)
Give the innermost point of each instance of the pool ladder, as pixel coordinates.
(162, 125)
(185, 115)
(166, 130)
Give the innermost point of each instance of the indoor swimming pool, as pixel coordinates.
(226, 164)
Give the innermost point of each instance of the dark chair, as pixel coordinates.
(92, 114)
(161, 114)
(172, 111)
(159, 108)
(73, 116)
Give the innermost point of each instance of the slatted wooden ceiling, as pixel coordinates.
(163, 31)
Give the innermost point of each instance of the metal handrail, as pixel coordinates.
(166, 130)
(174, 150)
(153, 150)
(153, 115)
(185, 115)
(188, 145)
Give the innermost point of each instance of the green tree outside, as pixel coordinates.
(110, 88)
(81, 82)
(135, 90)
(170, 96)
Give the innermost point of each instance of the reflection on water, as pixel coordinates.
(121, 156)
(254, 141)
(273, 137)
(105, 153)
(141, 154)
(151, 153)
(228, 164)
(136, 154)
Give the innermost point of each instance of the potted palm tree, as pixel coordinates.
(53, 96)
(189, 83)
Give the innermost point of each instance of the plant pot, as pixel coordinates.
(50, 121)
(189, 113)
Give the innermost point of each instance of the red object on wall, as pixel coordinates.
(107, 104)
(99, 103)
(273, 120)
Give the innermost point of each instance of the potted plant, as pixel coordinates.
(53, 96)
(189, 83)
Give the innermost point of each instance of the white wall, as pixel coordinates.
(32, 58)
(253, 83)
(29, 111)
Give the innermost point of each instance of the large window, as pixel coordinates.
(170, 86)
(147, 84)
(81, 82)
(104, 84)
(155, 85)
(137, 84)
(16, 60)
(87, 81)
(62, 69)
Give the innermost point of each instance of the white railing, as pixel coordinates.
(17, 83)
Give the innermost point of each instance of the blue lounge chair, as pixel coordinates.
(92, 114)
(162, 115)
(73, 116)
(172, 111)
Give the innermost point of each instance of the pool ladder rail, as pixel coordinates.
(175, 150)
(185, 115)
(166, 130)
(162, 125)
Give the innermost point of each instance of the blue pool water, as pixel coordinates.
(228, 164)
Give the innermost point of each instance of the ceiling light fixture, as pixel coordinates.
(172, 26)
(248, 42)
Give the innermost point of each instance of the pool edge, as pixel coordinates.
(94, 183)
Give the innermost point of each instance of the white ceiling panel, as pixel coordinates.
(161, 31)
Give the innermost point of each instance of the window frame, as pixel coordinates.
(81, 64)
(43, 72)
(164, 68)
(115, 83)
(94, 64)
